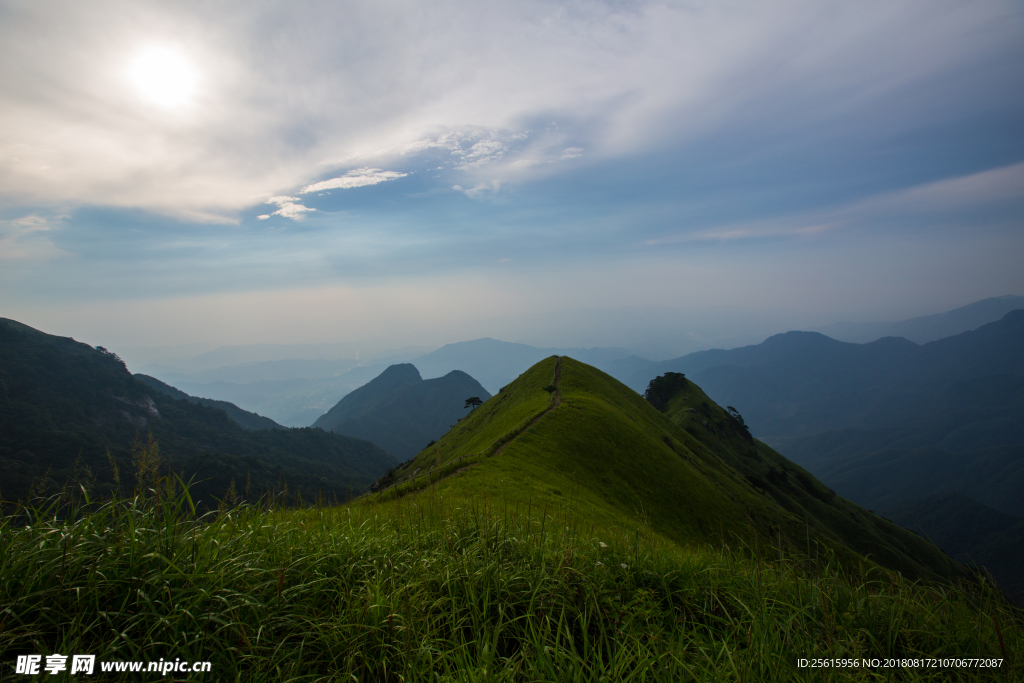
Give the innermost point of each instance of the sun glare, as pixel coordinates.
(163, 77)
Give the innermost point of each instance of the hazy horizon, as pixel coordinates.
(742, 330)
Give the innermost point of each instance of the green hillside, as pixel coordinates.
(565, 436)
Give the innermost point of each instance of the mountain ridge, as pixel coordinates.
(244, 418)
(565, 432)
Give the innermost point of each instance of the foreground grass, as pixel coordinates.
(440, 591)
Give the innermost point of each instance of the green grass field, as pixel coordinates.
(427, 590)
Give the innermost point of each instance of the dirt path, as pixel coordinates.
(558, 376)
(554, 404)
(557, 402)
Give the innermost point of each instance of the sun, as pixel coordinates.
(163, 77)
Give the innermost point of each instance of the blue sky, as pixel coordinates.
(414, 173)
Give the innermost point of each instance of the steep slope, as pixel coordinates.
(64, 405)
(401, 412)
(243, 418)
(566, 435)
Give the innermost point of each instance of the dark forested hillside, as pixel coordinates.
(64, 405)
(972, 533)
(968, 438)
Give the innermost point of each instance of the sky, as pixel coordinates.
(664, 176)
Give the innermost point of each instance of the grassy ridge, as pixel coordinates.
(423, 590)
(694, 478)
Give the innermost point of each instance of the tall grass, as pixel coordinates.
(459, 591)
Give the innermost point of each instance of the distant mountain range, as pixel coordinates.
(296, 391)
(800, 383)
(400, 411)
(929, 327)
(65, 405)
(294, 402)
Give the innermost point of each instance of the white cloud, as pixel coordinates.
(289, 208)
(479, 190)
(360, 177)
(992, 188)
(485, 150)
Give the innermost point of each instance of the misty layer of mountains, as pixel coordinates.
(296, 391)
(930, 434)
(244, 418)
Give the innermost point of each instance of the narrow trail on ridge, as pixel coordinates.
(555, 402)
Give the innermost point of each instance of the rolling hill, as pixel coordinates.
(565, 435)
(65, 405)
(400, 411)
